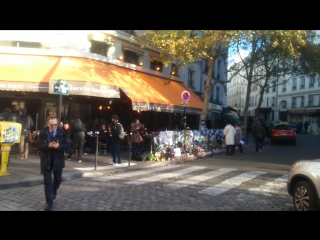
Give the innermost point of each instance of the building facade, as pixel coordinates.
(84, 52)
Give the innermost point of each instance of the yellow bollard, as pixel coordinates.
(5, 150)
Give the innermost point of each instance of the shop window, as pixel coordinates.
(100, 48)
(174, 70)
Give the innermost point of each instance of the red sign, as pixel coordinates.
(185, 96)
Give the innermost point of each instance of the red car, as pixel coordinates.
(283, 133)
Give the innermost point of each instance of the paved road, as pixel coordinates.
(169, 188)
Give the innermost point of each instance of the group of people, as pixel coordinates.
(233, 137)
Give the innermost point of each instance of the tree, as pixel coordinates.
(183, 47)
(268, 49)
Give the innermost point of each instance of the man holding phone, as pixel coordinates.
(52, 143)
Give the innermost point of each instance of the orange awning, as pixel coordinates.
(147, 92)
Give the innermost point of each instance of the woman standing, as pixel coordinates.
(238, 137)
(229, 133)
(26, 122)
(135, 137)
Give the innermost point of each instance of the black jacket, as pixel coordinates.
(115, 131)
(43, 146)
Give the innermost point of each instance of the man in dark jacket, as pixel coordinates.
(115, 141)
(77, 132)
(7, 115)
(52, 142)
(258, 133)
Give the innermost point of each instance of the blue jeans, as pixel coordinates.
(135, 146)
(259, 143)
(115, 152)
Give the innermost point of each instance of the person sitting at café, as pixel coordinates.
(105, 136)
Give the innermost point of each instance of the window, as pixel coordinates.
(191, 75)
(302, 82)
(283, 104)
(131, 57)
(100, 48)
(310, 100)
(293, 102)
(26, 44)
(302, 101)
(217, 94)
(156, 65)
(174, 70)
(294, 83)
(267, 88)
(273, 101)
(131, 32)
(284, 86)
(274, 86)
(267, 102)
(311, 82)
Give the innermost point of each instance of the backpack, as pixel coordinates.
(121, 135)
(78, 126)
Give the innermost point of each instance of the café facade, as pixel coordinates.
(98, 88)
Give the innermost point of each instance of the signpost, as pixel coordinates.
(185, 96)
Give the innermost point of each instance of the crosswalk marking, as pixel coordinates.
(271, 187)
(164, 175)
(104, 167)
(199, 178)
(133, 174)
(230, 183)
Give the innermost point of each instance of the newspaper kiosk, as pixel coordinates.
(10, 133)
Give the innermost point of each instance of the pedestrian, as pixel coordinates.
(115, 141)
(7, 115)
(306, 125)
(135, 138)
(238, 137)
(208, 123)
(258, 133)
(300, 126)
(66, 127)
(52, 142)
(26, 122)
(77, 132)
(104, 136)
(229, 133)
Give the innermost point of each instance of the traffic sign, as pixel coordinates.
(185, 96)
(184, 104)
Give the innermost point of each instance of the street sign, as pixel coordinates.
(185, 96)
(61, 87)
(184, 104)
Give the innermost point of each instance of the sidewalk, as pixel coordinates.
(26, 172)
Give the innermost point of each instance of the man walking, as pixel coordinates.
(52, 143)
(78, 135)
(115, 141)
(258, 134)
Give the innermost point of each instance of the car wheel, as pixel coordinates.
(304, 198)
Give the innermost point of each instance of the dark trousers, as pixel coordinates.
(78, 138)
(135, 146)
(51, 187)
(115, 152)
(230, 149)
(259, 143)
(240, 147)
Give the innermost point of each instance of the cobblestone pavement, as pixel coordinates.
(171, 188)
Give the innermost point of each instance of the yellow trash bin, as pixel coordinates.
(10, 134)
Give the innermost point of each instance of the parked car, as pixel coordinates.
(283, 132)
(304, 185)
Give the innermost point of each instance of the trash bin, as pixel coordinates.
(10, 134)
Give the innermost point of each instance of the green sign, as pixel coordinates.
(61, 87)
